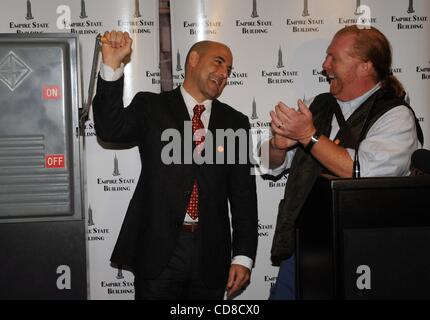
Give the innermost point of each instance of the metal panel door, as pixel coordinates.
(41, 168)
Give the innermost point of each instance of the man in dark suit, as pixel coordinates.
(176, 235)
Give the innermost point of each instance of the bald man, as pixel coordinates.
(176, 236)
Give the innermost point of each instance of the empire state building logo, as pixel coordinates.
(178, 62)
(29, 15)
(119, 274)
(411, 6)
(83, 14)
(115, 167)
(13, 71)
(280, 63)
(305, 12)
(90, 216)
(357, 8)
(136, 9)
(203, 11)
(254, 13)
(254, 110)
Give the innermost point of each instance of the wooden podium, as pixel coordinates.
(365, 238)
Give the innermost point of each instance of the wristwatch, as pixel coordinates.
(314, 139)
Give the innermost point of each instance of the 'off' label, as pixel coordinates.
(54, 161)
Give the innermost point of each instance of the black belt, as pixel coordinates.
(190, 227)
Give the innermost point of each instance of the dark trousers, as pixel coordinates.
(181, 279)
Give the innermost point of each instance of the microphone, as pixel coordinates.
(356, 165)
(421, 160)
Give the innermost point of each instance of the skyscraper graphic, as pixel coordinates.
(280, 62)
(136, 9)
(203, 12)
(305, 8)
(357, 10)
(119, 274)
(83, 14)
(411, 6)
(29, 15)
(254, 13)
(115, 167)
(254, 110)
(90, 216)
(178, 62)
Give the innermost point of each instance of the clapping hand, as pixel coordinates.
(293, 124)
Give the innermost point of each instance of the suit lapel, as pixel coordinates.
(216, 120)
(178, 110)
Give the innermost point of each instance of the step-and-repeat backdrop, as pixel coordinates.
(278, 48)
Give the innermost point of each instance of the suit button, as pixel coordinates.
(187, 193)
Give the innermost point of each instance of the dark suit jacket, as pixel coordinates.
(158, 206)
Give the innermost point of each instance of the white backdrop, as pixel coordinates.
(278, 48)
(278, 51)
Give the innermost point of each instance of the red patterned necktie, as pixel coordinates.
(199, 138)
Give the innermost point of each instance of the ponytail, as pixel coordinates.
(392, 82)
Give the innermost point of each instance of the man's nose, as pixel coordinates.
(326, 63)
(224, 72)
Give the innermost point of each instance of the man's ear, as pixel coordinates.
(366, 68)
(193, 59)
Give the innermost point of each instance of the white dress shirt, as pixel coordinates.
(108, 74)
(387, 148)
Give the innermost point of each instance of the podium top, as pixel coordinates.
(337, 183)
